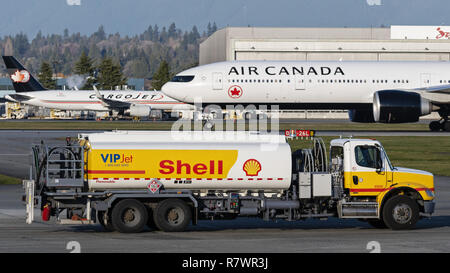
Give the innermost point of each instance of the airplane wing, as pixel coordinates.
(441, 89)
(439, 94)
(112, 104)
(17, 97)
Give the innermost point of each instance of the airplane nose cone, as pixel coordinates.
(170, 90)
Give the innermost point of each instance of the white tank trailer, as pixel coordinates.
(167, 180)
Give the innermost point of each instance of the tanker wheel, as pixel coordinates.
(129, 216)
(172, 215)
(400, 212)
(377, 223)
(105, 223)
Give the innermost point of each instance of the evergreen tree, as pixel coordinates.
(85, 67)
(155, 33)
(172, 32)
(110, 75)
(46, 76)
(209, 29)
(161, 76)
(100, 33)
(21, 43)
(163, 37)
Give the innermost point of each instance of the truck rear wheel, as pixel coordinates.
(400, 212)
(172, 215)
(129, 216)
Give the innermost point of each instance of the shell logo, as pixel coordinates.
(20, 76)
(252, 167)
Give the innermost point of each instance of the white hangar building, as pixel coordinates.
(415, 43)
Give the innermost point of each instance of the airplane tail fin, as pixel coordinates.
(22, 80)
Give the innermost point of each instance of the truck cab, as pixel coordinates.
(398, 195)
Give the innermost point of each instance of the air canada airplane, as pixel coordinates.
(132, 103)
(387, 92)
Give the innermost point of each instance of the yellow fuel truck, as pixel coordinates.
(126, 180)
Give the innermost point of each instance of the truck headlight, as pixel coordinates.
(429, 192)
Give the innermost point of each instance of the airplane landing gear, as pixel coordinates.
(443, 124)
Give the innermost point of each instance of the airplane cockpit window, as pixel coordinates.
(182, 78)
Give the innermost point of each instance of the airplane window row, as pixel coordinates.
(258, 81)
(360, 81)
(444, 81)
(319, 81)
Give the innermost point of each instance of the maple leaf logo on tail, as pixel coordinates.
(235, 92)
(17, 77)
(20, 76)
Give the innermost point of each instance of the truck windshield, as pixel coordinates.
(366, 156)
(182, 78)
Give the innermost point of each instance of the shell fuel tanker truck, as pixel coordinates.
(126, 180)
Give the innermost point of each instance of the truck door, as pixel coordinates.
(217, 81)
(368, 170)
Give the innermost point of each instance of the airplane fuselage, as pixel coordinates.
(86, 100)
(303, 85)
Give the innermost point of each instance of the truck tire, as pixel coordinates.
(129, 216)
(400, 212)
(172, 215)
(377, 223)
(108, 225)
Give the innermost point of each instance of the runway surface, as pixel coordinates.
(241, 235)
(15, 145)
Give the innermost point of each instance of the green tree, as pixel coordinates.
(110, 74)
(46, 76)
(85, 66)
(172, 32)
(161, 76)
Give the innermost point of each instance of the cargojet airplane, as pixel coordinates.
(132, 103)
(387, 92)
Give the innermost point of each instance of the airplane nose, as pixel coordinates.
(170, 90)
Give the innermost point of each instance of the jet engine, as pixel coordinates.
(361, 115)
(139, 110)
(395, 106)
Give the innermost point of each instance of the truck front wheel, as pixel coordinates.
(400, 212)
(172, 215)
(129, 216)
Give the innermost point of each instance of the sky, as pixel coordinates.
(130, 17)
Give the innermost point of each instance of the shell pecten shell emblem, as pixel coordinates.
(251, 167)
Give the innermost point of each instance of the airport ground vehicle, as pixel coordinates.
(126, 180)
